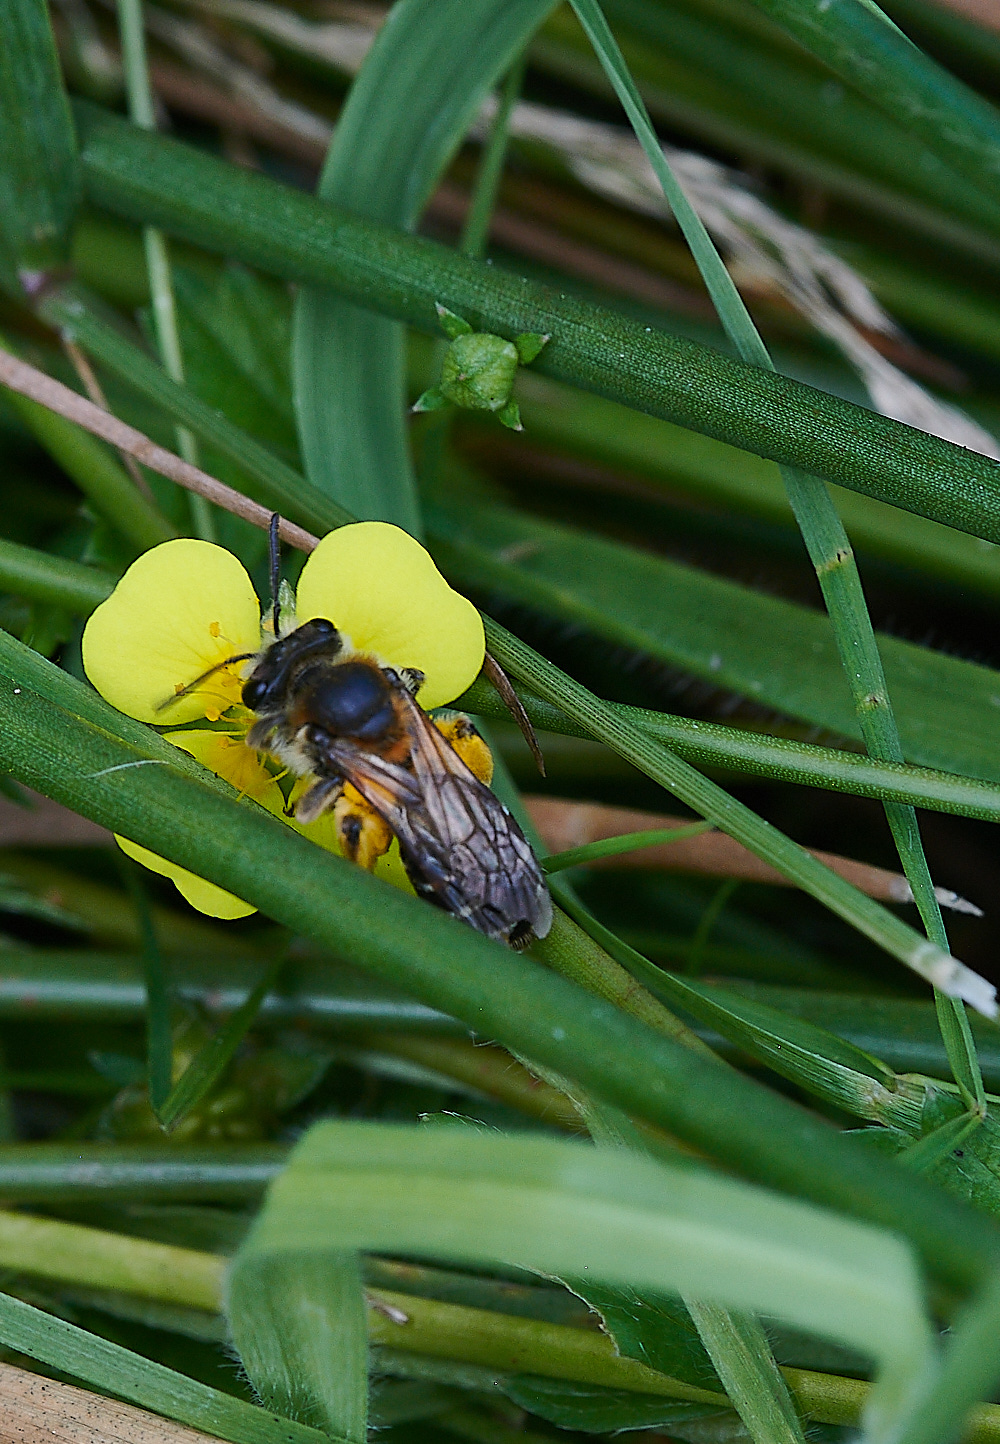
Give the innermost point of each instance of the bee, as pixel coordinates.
(341, 718)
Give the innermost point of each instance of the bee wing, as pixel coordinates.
(459, 842)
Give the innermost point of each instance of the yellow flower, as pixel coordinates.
(186, 606)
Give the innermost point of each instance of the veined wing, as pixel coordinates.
(460, 844)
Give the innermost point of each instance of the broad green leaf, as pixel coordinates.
(564, 1208)
(76, 756)
(38, 165)
(253, 219)
(300, 1327)
(775, 652)
(407, 113)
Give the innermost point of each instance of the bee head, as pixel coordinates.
(268, 683)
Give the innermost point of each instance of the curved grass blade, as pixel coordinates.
(407, 112)
(207, 1066)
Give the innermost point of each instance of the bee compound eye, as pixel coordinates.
(254, 693)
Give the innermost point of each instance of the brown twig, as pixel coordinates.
(37, 386)
(564, 825)
(36, 1410)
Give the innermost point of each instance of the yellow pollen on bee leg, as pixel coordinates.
(469, 745)
(364, 836)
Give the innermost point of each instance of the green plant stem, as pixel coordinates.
(143, 113)
(188, 193)
(184, 815)
(41, 577)
(64, 1174)
(828, 546)
(475, 231)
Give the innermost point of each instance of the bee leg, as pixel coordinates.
(317, 799)
(363, 835)
(412, 679)
(456, 728)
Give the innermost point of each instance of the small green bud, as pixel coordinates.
(478, 371)
(510, 416)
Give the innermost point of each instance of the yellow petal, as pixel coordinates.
(230, 757)
(180, 609)
(227, 757)
(383, 591)
(204, 896)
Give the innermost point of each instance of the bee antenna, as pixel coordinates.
(274, 553)
(183, 692)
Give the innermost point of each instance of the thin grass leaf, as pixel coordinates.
(142, 112)
(827, 544)
(860, 43)
(931, 1149)
(207, 1066)
(39, 174)
(191, 820)
(742, 1355)
(159, 995)
(614, 846)
(108, 1366)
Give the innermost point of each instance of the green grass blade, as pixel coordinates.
(39, 174)
(41, 577)
(724, 811)
(207, 1066)
(74, 753)
(159, 995)
(109, 1367)
(615, 846)
(60, 1173)
(248, 217)
(407, 112)
(299, 1324)
(859, 43)
(826, 541)
(742, 1356)
(278, 485)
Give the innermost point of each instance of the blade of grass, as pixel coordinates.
(159, 999)
(246, 216)
(38, 162)
(532, 1011)
(862, 45)
(207, 1065)
(613, 846)
(143, 113)
(108, 1366)
(828, 547)
(406, 114)
(715, 805)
